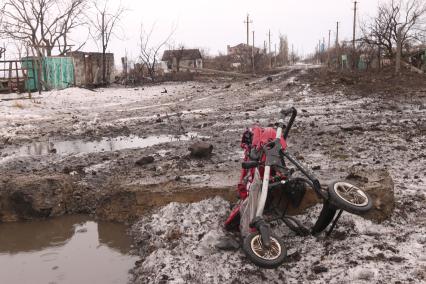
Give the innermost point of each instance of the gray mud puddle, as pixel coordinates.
(71, 249)
(103, 145)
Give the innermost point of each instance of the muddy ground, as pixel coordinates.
(78, 151)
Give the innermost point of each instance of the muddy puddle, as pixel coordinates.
(105, 144)
(71, 249)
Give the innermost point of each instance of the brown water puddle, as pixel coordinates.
(105, 144)
(71, 249)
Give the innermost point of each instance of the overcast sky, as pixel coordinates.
(214, 24)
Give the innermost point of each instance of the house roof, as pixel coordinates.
(242, 48)
(184, 54)
(241, 45)
(71, 53)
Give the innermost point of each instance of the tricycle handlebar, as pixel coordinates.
(286, 112)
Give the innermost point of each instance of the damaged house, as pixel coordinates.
(241, 55)
(242, 48)
(417, 58)
(181, 59)
(88, 67)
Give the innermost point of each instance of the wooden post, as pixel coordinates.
(10, 77)
(17, 76)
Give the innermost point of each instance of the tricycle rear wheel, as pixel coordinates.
(264, 257)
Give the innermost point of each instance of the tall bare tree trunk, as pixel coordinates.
(398, 51)
(103, 50)
(39, 70)
(379, 56)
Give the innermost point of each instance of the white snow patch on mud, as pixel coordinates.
(177, 245)
(20, 113)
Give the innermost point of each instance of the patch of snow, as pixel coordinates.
(177, 245)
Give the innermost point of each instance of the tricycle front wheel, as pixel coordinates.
(350, 198)
(261, 256)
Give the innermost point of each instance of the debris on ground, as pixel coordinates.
(363, 123)
(201, 149)
(145, 160)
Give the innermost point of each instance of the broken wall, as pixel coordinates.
(88, 68)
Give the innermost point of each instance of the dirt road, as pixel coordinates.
(77, 151)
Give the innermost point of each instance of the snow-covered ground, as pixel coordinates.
(333, 132)
(177, 245)
(20, 114)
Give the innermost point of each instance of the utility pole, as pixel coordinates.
(270, 59)
(275, 55)
(253, 42)
(353, 39)
(269, 35)
(337, 44)
(328, 49)
(292, 55)
(248, 22)
(323, 44)
(337, 34)
(329, 38)
(252, 53)
(319, 51)
(354, 28)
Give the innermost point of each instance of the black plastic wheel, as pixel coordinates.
(262, 257)
(325, 218)
(349, 197)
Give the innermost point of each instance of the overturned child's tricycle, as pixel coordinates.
(266, 183)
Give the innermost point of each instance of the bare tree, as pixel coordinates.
(43, 24)
(398, 23)
(177, 55)
(103, 25)
(283, 53)
(149, 52)
(205, 52)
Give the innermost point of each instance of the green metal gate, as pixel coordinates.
(56, 73)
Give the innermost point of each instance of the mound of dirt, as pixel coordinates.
(29, 197)
(379, 185)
